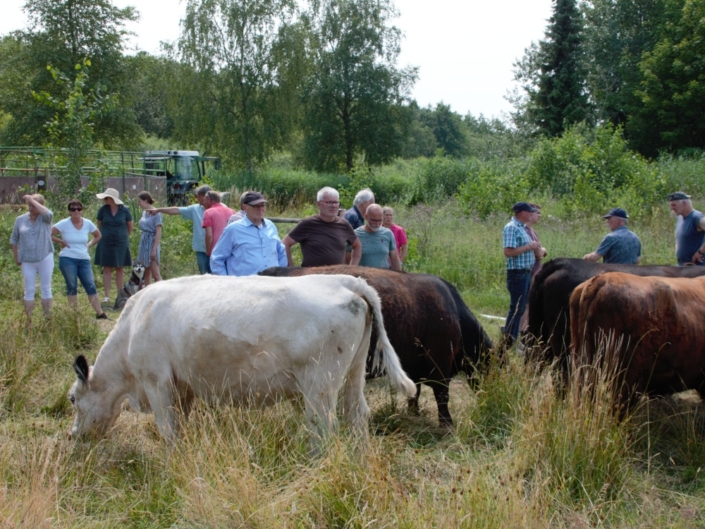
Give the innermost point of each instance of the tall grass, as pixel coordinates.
(519, 456)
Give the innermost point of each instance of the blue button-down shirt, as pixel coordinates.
(620, 246)
(244, 249)
(514, 235)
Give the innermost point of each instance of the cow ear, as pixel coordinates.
(80, 366)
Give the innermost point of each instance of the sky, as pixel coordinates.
(464, 49)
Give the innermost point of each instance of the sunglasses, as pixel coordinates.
(75, 209)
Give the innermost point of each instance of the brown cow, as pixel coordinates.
(660, 323)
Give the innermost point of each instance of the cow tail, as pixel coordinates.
(384, 353)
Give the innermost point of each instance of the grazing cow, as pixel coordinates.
(549, 298)
(251, 339)
(432, 330)
(659, 322)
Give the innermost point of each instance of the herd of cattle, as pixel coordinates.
(260, 339)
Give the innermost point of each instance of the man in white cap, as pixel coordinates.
(621, 245)
(250, 244)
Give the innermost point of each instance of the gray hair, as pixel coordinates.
(327, 191)
(387, 208)
(363, 196)
(203, 190)
(214, 196)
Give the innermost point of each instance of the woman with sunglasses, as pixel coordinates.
(33, 251)
(74, 261)
(113, 250)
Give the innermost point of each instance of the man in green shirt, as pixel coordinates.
(378, 247)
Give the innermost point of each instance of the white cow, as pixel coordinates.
(251, 339)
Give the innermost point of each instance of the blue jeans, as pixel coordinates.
(74, 269)
(204, 263)
(518, 282)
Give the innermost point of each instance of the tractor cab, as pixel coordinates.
(183, 171)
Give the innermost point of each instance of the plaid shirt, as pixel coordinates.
(514, 235)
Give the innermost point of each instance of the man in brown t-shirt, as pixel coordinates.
(324, 237)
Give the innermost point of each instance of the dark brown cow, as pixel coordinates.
(432, 330)
(549, 322)
(660, 324)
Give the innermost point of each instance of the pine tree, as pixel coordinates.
(555, 85)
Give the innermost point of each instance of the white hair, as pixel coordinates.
(327, 191)
(363, 196)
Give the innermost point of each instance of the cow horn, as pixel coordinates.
(80, 366)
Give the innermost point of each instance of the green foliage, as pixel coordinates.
(672, 89)
(354, 92)
(589, 169)
(492, 188)
(71, 131)
(64, 33)
(554, 75)
(232, 95)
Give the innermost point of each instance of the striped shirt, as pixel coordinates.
(514, 235)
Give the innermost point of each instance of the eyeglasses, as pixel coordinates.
(75, 209)
(332, 203)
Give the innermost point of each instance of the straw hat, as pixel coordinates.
(112, 193)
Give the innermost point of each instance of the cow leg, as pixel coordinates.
(161, 400)
(413, 402)
(441, 393)
(356, 412)
(319, 409)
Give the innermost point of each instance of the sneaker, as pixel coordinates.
(106, 300)
(101, 316)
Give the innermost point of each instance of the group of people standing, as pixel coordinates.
(33, 236)
(524, 252)
(226, 242)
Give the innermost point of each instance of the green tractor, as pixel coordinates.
(183, 171)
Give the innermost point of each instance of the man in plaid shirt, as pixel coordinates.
(519, 251)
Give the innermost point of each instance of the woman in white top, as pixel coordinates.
(33, 251)
(74, 261)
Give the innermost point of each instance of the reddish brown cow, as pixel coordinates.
(660, 321)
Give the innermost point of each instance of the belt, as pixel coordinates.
(519, 270)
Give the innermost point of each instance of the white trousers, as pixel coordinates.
(44, 268)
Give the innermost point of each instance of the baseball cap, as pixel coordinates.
(616, 212)
(254, 198)
(523, 206)
(678, 195)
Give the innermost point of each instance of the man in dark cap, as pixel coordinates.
(250, 244)
(620, 246)
(690, 230)
(520, 253)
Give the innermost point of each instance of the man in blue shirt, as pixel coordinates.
(356, 215)
(690, 230)
(520, 253)
(621, 246)
(194, 213)
(249, 245)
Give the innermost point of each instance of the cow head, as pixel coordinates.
(95, 411)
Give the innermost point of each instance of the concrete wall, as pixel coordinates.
(12, 188)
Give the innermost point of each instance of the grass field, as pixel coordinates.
(519, 456)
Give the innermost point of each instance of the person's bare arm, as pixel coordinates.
(14, 252)
(130, 226)
(167, 211)
(96, 237)
(288, 242)
(348, 257)
(403, 252)
(41, 209)
(396, 262)
(594, 256)
(209, 239)
(356, 253)
(513, 252)
(54, 233)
